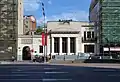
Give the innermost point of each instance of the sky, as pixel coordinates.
(77, 10)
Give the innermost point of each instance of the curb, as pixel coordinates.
(23, 63)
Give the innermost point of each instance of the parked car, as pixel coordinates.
(83, 55)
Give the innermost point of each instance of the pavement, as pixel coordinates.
(18, 62)
(102, 65)
(56, 73)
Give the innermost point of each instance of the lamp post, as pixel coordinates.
(45, 31)
(50, 43)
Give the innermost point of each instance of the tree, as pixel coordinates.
(39, 30)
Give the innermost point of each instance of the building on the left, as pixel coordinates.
(11, 25)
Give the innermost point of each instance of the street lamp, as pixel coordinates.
(50, 43)
(45, 31)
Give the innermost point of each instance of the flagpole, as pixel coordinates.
(45, 43)
(45, 32)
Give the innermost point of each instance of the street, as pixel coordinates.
(56, 73)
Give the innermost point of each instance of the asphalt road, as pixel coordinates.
(57, 73)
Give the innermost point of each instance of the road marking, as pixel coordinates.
(36, 79)
(37, 72)
(25, 72)
(49, 68)
(56, 79)
(54, 72)
(19, 70)
(12, 75)
(35, 69)
(104, 70)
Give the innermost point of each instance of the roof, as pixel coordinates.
(64, 32)
(70, 21)
(66, 29)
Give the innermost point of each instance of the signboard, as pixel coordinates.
(112, 49)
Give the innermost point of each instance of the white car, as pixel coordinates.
(84, 55)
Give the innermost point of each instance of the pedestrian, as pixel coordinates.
(49, 56)
(13, 58)
(42, 59)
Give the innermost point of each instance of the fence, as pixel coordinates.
(72, 57)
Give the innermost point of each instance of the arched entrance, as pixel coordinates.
(26, 54)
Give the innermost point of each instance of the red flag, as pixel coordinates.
(46, 39)
(32, 50)
(43, 38)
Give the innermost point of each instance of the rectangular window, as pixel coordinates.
(27, 22)
(26, 26)
(89, 48)
(72, 45)
(89, 34)
(92, 34)
(56, 45)
(85, 35)
(64, 45)
(41, 49)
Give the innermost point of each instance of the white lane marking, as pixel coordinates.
(56, 79)
(49, 68)
(12, 75)
(104, 70)
(54, 72)
(19, 70)
(25, 72)
(36, 69)
(37, 79)
(37, 72)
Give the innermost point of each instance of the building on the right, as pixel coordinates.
(105, 14)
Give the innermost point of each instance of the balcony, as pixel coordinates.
(88, 40)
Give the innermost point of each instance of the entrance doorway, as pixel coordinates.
(26, 54)
(89, 48)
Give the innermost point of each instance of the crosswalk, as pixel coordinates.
(56, 73)
(34, 73)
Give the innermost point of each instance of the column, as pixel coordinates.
(52, 45)
(68, 45)
(76, 43)
(19, 50)
(60, 45)
(86, 34)
(19, 54)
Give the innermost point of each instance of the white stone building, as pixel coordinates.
(64, 37)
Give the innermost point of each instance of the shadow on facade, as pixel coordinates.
(26, 54)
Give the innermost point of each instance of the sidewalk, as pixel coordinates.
(18, 62)
(78, 63)
(101, 65)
